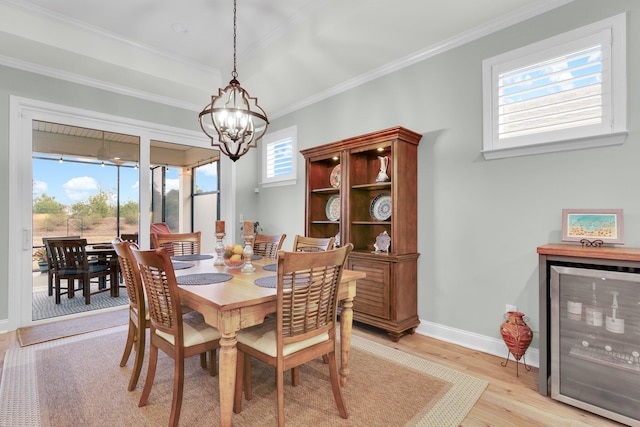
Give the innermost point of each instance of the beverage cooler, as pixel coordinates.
(595, 340)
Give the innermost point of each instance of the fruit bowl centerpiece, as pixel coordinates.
(233, 256)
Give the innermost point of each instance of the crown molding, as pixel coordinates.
(107, 35)
(95, 83)
(431, 51)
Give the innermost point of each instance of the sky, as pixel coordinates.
(71, 182)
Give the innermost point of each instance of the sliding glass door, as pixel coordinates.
(86, 184)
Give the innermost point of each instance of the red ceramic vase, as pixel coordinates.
(517, 335)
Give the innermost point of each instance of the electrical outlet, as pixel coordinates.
(241, 218)
(510, 307)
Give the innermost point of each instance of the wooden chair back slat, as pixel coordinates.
(307, 292)
(130, 271)
(313, 244)
(177, 244)
(159, 281)
(268, 246)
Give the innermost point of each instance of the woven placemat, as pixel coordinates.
(203, 278)
(177, 265)
(194, 257)
(271, 267)
(267, 282)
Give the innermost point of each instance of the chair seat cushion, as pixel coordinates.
(263, 338)
(147, 315)
(195, 330)
(97, 268)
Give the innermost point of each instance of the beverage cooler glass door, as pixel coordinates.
(595, 341)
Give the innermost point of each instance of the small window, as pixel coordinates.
(279, 157)
(563, 93)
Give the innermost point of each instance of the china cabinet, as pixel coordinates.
(363, 190)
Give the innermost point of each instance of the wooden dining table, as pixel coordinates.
(239, 303)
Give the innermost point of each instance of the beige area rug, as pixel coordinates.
(78, 325)
(77, 381)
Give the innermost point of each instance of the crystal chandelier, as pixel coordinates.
(233, 120)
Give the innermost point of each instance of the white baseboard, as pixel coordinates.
(460, 337)
(474, 341)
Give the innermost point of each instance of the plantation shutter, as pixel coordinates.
(279, 161)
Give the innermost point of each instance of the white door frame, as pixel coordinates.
(22, 111)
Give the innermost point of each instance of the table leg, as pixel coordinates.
(346, 322)
(227, 373)
(114, 278)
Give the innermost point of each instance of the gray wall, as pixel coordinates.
(479, 221)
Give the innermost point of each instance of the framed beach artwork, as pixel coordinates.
(605, 225)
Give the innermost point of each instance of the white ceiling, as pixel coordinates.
(290, 52)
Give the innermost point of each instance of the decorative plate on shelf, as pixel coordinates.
(333, 208)
(334, 179)
(380, 208)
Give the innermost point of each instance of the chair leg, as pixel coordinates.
(58, 290)
(129, 345)
(237, 396)
(280, 391)
(50, 282)
(151, 373)
(335, 385)
(86, 290)
(141, 332)
(246, 382)
(213, 367)
(178, 388)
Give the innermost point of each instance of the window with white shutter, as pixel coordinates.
(563, 93)
(279, 157)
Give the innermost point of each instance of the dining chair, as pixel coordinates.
(50, 274)
(178, 243)
(305, 325)
(268, 246)
(176, 334)
(312, 244)
(139, 320)
(69, 262)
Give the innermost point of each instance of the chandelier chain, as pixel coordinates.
(234, 74)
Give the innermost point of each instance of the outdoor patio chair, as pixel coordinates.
(69, 262)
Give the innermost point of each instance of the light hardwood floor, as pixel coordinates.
(507, 401)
